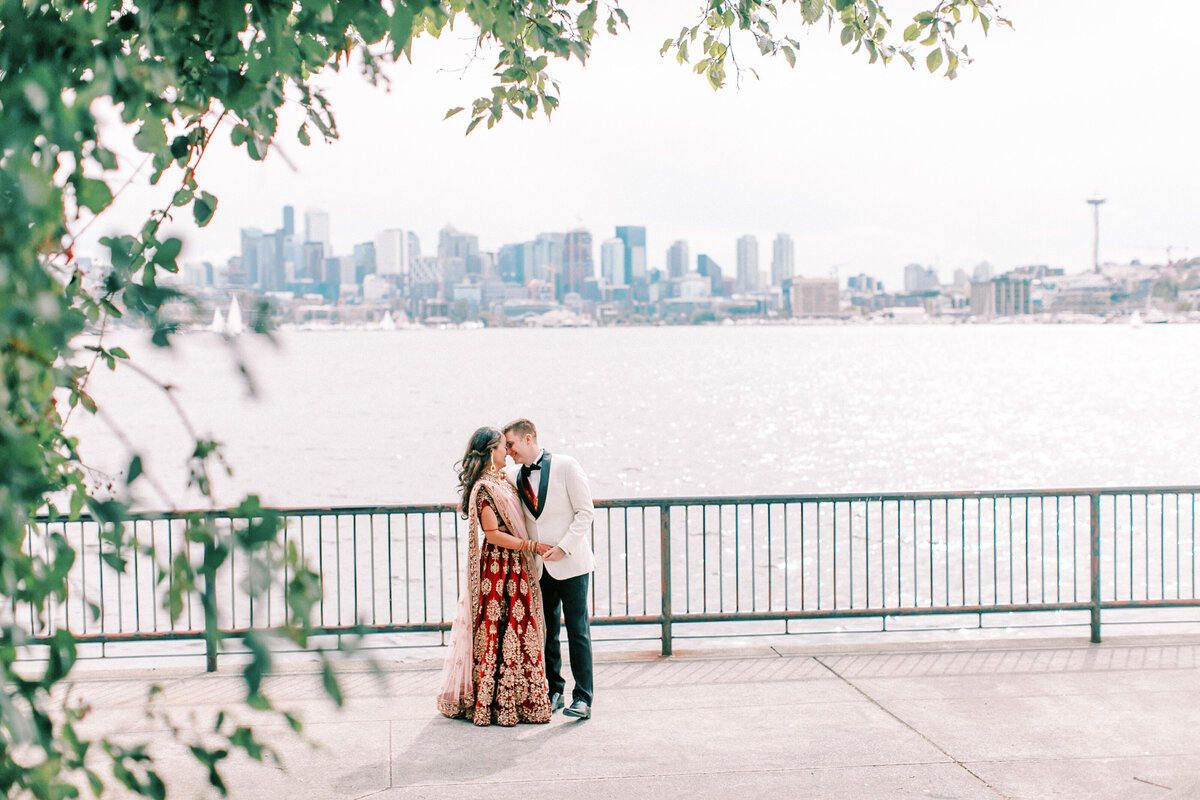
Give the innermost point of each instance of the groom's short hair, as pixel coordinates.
(521, 427)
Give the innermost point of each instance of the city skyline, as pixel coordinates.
(867, 169)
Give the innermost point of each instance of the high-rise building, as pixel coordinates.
(515, 262)
(678, 261)
(918, 279)
(612, 261)
(711, 270)
(465, 246)
(251, 240)
(549, 250)
(364, 261)
(634, 237)
(392, 253)
(510, 263)
(577, 260)
(747, 263)
(316, 229)
(289, 220)
(312, 263)
(783, 260)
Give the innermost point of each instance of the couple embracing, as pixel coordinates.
(529, 559)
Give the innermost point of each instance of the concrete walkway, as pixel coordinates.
(1037, 720)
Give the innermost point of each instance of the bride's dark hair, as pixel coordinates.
(475, 461)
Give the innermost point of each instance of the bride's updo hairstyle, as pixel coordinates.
(475, 461)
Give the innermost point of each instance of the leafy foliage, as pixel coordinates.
(181, 73)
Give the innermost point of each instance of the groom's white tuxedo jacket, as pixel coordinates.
(563, 515)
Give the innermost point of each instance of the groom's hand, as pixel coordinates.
(553, 554)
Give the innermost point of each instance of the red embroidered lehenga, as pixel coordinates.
(496, 669)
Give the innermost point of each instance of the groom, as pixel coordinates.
(558, 511)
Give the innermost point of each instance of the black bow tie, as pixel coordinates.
(528, 468)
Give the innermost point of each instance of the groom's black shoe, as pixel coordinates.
(556, 701)
(578, 709)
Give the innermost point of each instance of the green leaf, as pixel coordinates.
(812, 10)
(934, 59)
(302, 135)
(203, 208)
(135, 469)
(912, 32)
(151, 137)
(119, 352)
(330, 681)
(847, 34)
(587, 19)
(402, 30)
(92, 194)
(166, 253)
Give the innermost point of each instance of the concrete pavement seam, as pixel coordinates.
(644, 776)
(896, 717)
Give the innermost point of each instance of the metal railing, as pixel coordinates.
(678, 561)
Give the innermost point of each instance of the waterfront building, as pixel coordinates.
(612, 261)
(1001, 297)
(375, 289)
(677, 259)
(747, 263)
(783, 260)
(693, 286)
(634, 237)
(317, 229)
(815, 297)
(469, 291)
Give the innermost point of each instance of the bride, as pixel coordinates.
(496, 669)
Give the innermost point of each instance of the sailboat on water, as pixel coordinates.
(387, 323)
(218, 322)
(233, 321)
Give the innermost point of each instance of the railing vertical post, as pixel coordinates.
(664, 549)
(1095, 547)
(210, 609)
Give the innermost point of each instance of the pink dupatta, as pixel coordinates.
(458, 681)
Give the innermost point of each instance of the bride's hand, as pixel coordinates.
(542, 548)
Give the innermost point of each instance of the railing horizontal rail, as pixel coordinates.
(664, 561)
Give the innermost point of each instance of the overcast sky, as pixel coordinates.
(868, 168)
